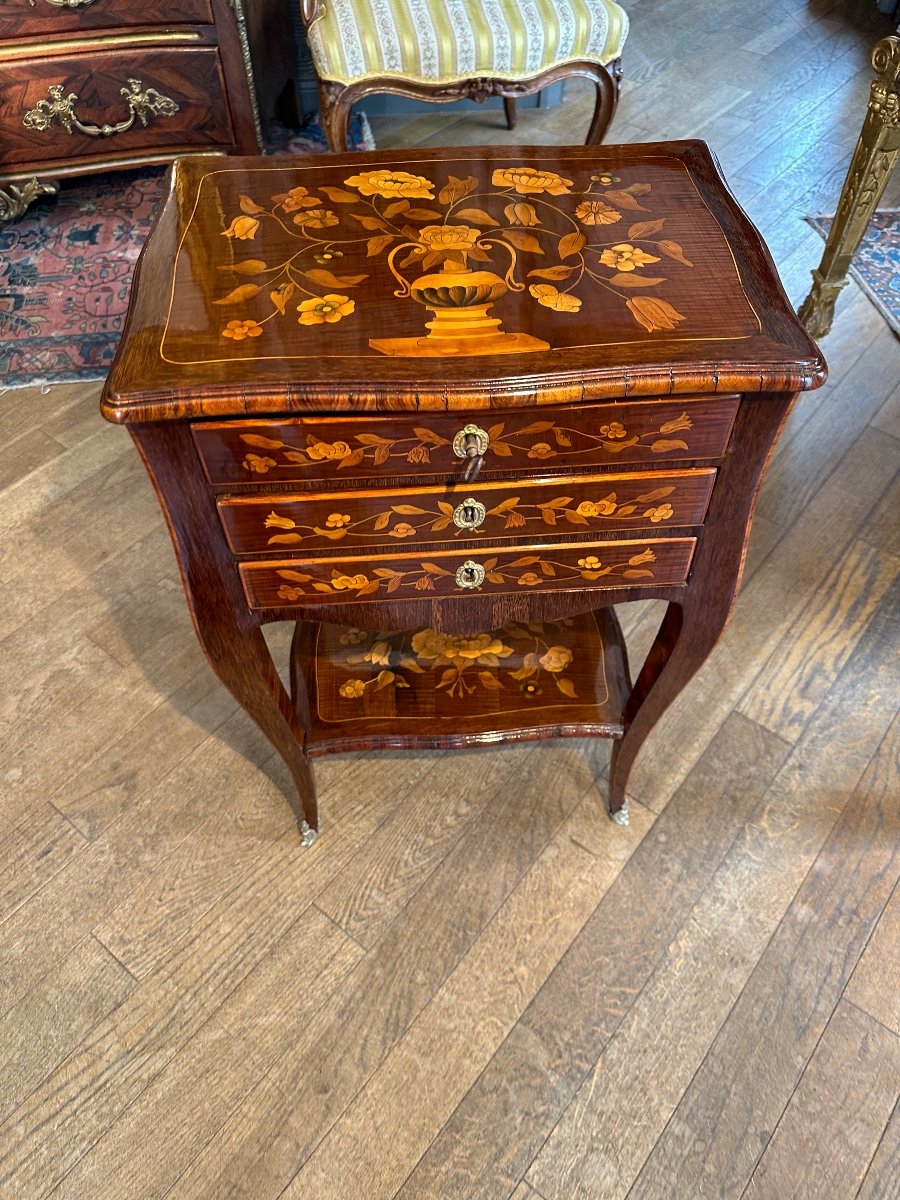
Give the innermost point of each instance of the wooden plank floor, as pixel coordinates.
(474, 986)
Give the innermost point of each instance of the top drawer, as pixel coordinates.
(421, 444)
(21, 18)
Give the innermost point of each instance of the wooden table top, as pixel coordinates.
(548, 275)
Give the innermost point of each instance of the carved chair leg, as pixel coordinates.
(335, 105)
(509, 107)
(607, 99)
(876, 154)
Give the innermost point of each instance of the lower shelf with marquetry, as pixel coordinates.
(420, 688)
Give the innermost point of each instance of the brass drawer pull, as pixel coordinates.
(470, 575)
(65, 3)
(62, 108)
(469, 515)
(470, 442)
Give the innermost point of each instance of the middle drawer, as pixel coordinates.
(420, 516)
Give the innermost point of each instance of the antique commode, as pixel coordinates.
(445, 409)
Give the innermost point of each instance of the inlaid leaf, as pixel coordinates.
(322, 587)
(328, 279)
(408, 259)
(250, 206)
(626, 510)
(633, 280)
(408, 510)
(528, 561)
(547, 568)
(636, 573)
(422, 214)
(571, 243)
(382, 454)
(448, 677)
(388, 572)
(643, 229)
(434, 569)
(338, 195)
(522, 241)
(250, 266)
(446, 509)
(656, 494)
(296, 456)
(399, 206)
(429, 436)
(282, 295)
(394, 584)
(551, 273)
(375, 245)
(294, 576)
(479, 255)
(381, 522)
(439, 524)
(501, 449)
(549, 515)
(494, 431)
(574, 518)
(256, 439)
(490, 681)
(244, 292)
(663, 445)
(369, 588)
(353, 459)
(537, 427)
(566, 686)
(494, 577)
(560, 502)
(625, 199)
(286, 538)
(455, 189)
(431, 259)
(562, 438)
(504, 505)
(673, 250)
(638, 189)
(476, 215)
(384, 678)
(410, 664)
(490, 564)
(369, 222)
(372, 439)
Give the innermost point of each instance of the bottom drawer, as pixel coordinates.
(554, 568)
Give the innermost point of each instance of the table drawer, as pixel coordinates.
(571, 438)
(19, 19)
(554, 568)
(183, 104)
(366, 519)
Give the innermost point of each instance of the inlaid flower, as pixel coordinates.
(403, 530)
(297, 197)
(320, 450)
(353, 636)
(557, 658)
(530, 688)
(541, 450)
(552, 297)
(424, 584)
(597, 212)
(645, 556)
(328, 256)
(458, 649)
(615, 429)
(606, 180)
(243, 228)
(587, 509)
(625, 257)
(380, 654)
(449, 237)
(654, 315)
(419, 454)
(321, 310)
(285, 592)
(239, 330)
(531, 181)
(676, 424)
(337, 520)
(340, 583)
(258, 464)
(392, 184)
(590, 563)
(529, 579)
(352, 689)
(316, 218)
(520, 213)
(662, 512)
(274, 521)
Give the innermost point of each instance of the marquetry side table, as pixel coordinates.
(444, 411)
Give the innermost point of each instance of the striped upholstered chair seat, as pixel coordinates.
(445, 50)
(440, 41)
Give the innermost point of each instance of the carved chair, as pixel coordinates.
(444, 50)
(877, 153)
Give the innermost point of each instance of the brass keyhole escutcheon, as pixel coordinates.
(470, 442)
(469, 515)
(470, 575)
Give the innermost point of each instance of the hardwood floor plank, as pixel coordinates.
(472, 1012)
(814, 650)
(622, 1108)
(47, 1024)
(875, 984)
(263, 1145)
(831, 1129)
(882, 1181)
(765, 610)
(192, 1097)
(32, 853)
(727, 1114)
(504, 1119)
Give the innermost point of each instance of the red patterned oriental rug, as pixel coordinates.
(66, 267)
